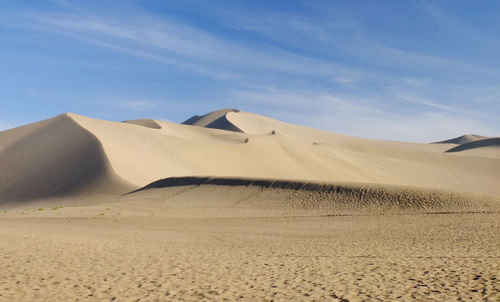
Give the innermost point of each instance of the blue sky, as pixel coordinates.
(399, 70)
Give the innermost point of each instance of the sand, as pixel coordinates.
(345, 258)
(236, 206)
(75, 157)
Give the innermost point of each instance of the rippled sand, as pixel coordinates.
(445, 257)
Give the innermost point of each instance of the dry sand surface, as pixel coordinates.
(424, 257)
(214, 242)
(236, 206)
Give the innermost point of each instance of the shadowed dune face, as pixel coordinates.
(145, 122)
(467, 138)
(75, 156)
(488, 142)
(288, 213)
(57, 158)
(208, 196)
(216, 120)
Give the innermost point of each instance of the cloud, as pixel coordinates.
(364, 116)
(413, 82)
(348, 37)
(343, 80)
(136, 105)
(479, 94)
(429, 103)
(5, 126)
(457, 26)
(182, 45)
(36, 95)
(383, 85)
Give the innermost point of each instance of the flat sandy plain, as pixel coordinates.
(235, 206)
(425, 257)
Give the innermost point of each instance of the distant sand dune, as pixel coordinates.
(467, 138)
(488, 142)
(145, 122)
(217, 120)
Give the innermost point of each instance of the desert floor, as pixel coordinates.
(431, 257)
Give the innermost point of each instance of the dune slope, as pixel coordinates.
(487, 142)
(239, 197)
(75, 156)
(145, 122)
(466, 138)
(217, 120)
(54, 158)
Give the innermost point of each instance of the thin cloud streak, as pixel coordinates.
(465, 30)
(364, 117)
(425, 102)
(4, 126)
(295, 30)
(137, 105)
(183, 45)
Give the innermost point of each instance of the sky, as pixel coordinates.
(410, 70)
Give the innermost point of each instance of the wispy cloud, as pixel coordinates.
(365, 117)
(179, 44)
(4, 126)
(343, 80)
(347, 36)
(36, 95)
(433, 104)
(136, 105)
(334, 68)
(464, 29)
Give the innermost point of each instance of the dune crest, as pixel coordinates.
(216, 120)
(466, 138)
(76, 156)
(488, 142)
(56, 158)
(145, 122)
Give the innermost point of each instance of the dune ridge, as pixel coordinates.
(289, 197)
(466, 138)
(287, 213)
(216, 120)
(76, 156)
(37, 166)
(487, 142)
(145, 122)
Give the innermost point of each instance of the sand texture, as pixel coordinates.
(74, 157)
(444, 257)
(234, 206)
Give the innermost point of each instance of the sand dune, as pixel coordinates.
(54, 158)
(75, 156)
(467, 138)
(145, 122)
(217, 120)
(493, 142)
(237, 206)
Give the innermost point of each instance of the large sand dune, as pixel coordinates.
(56, 158)
(72, 156)
(233, 206)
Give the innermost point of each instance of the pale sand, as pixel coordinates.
(251, 243)
(333, 218)
(356, 258)
(80, 159)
